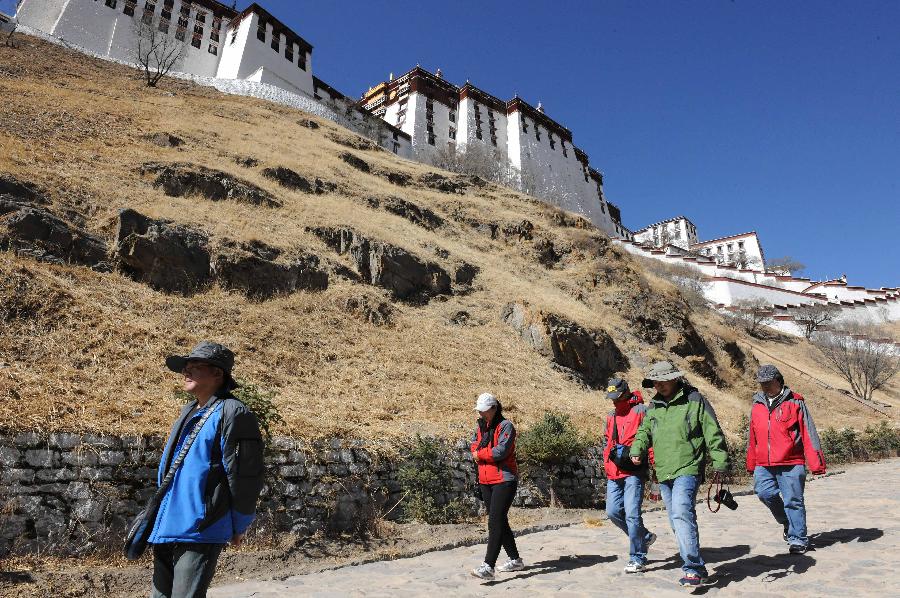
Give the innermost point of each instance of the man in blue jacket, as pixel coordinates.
(212, 498)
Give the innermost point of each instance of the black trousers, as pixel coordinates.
(183, 569)
(498, 499)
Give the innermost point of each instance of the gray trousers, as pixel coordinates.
(183, 569)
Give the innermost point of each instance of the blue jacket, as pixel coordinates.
(213, 494)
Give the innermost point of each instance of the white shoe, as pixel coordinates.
(511, 565)
(634, 567)
(485, 571)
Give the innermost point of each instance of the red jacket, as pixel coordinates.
(497, 460)
(783, 434)
(627, 415)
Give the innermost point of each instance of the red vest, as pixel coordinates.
(489, 471)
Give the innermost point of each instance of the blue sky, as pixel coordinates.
(779, 117)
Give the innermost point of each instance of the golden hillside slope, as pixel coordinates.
(84, 350)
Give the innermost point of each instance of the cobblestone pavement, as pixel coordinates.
(853, 518)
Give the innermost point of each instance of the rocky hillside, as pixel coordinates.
(376, 296)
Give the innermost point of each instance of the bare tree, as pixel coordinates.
(744, 261)
(472, 158)
(812, 317)
(786, 264)
(11, 25)
(751, 315)
(155, 48)
(865, 362)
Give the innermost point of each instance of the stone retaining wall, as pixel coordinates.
(73, 494)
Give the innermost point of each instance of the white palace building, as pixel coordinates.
(440, 116)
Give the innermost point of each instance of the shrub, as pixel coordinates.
(549, 443)
(262, 404)
(424, 477)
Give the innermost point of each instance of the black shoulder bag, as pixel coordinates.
(619, 453)
(139, 531)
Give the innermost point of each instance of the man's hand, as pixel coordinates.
(636, 460)
(237, 540)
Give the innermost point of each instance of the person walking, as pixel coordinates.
(681, 428)
(624, 479)
(211, 500)
(494, 450)
(781, 443)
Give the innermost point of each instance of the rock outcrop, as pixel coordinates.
(180, 179)
(261, 272)
(591, 354)
(166, 256)
(404, 274)
(297, 182)
(355, 161)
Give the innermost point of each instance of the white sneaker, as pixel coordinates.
(511, 565)
(485, 571)
(634, 567)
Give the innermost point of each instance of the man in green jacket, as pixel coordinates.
(681, 427)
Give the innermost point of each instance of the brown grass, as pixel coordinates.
(84, 351)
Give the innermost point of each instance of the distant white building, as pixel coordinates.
(440, 116)
(678, 231)
(743, 251)
(220, 43)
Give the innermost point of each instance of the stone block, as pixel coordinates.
(29, 440)
(64, 440)
(9, 456)
(96, 474)
(111, 458)
(81, 458)
(78, 490)
(358, 469)
(17, 476)
(54, 475)
(338, 469)
(42, 458)
(92, 510)
(292, 471)
(102, 442)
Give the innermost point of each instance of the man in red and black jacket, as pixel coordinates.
(624, 480)
(782, 439)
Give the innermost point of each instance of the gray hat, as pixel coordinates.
(214, 354)
(615, 388)
(661, 371)
(767, 373)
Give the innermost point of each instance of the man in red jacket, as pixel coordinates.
(625, 481)
(782, 438)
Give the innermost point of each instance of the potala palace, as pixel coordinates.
(421, 116)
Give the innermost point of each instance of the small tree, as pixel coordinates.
(549, 443)
(12, 24)
(744, 261)
(155, 49)
(864, 363)
(812, 317)
(475, 159)
(786, 264)
(751, 315)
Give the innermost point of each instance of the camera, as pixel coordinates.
(725, 497)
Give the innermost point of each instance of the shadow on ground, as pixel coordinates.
(710, 555)
(563, 563)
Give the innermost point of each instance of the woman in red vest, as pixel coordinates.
(494, 450)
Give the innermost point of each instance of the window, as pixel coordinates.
(216, 28)
(301, 62)
(431, 139)
(565, 153)
(452, 116)
(163, 25)
(213, 48)
(537, 132)
(149, 9)
(233, 37)
(552, 141)
(196, 41)
(111, 3)
(276, 41)
(452, 133)
(524, 126)
(181, 32)
(289, 52)
(741, 245)
(261, 31)
(201, 17)
(129, 7)
(396, 148)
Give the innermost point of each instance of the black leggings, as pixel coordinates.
(498, 499)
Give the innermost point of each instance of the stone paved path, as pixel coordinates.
(854, 519)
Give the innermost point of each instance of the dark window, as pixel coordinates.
(431, 139)
(186, 9)
(276, 40)
(537, 132)
(111, 3)
(565, 153)
(261, 32)
(149, 9)
(201, 17)
(213, 49)
(233, 36)
(196, 42)
(163, 25)
(478, 133)
(289, 52)
(453, 117)
(198, 31)
(301, 62)
(524, 126)
(452, 133)
(129, 7)
(180, 32)
(552, 141)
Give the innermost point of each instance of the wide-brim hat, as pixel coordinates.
(214, 354)
(661, 371)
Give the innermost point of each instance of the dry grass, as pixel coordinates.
(85, 350)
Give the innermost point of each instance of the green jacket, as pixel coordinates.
(681, 432)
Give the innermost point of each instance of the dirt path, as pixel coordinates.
(854, 520)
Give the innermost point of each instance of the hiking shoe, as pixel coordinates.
(635, 567)
(651, 538)
(511, 565)
(485, 571)
(692, 581)
(785, 534)
(798, 548)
